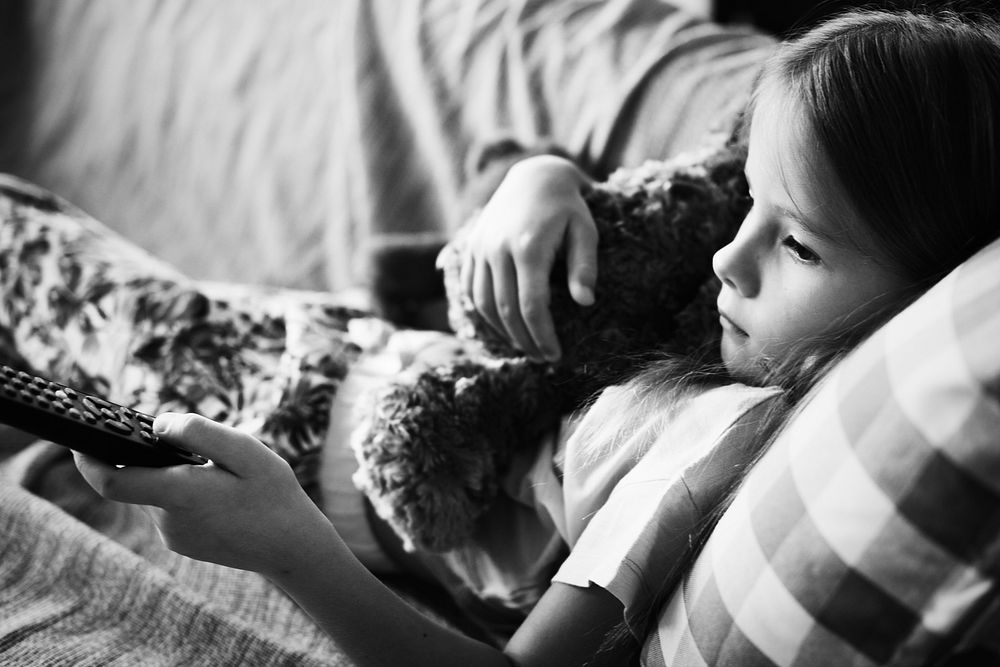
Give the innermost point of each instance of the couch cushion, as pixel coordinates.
(869, 533)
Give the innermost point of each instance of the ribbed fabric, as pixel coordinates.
(72, 596)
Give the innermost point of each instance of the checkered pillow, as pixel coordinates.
(870, 532)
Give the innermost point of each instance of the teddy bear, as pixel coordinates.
(433, 446)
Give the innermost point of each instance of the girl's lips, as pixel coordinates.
(729, 324)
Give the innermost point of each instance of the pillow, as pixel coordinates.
(870, 532)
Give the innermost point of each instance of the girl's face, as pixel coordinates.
(793, 272)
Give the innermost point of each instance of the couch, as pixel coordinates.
(312, 145)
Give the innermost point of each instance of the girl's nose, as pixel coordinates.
(736, 264)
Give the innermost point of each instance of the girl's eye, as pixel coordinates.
(802, 253)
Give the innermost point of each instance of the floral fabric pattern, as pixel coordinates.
(84, 307)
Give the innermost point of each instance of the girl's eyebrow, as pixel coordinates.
(814, 228)
(810, 226)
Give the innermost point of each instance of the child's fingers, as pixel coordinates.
(132, 484)
(238, 452)
(484, 299)
(533, 293)
(509, 296)
(581, 258)
(467, 275)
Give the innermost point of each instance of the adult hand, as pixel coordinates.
(537, 210)
(243, 509)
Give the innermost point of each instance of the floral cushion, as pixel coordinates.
(84, 307)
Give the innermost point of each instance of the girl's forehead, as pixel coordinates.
(780, 135)
(786, 162)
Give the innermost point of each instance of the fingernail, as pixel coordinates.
(160, 423)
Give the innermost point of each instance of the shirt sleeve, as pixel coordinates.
(633, 541)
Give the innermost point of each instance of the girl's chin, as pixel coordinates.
(733, 349)
(739, 361)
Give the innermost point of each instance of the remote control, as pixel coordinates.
(89, 424)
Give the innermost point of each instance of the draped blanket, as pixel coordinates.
(72, 595)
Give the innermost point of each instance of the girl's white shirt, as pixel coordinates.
(608, 507)
(599, 504)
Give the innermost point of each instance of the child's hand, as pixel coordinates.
(244, 509)
(537, 210)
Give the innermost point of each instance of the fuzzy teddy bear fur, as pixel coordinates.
(434, 446)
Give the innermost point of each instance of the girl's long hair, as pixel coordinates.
(905, 107)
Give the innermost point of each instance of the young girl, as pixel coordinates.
(872, 164)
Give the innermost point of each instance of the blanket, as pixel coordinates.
(72, 594)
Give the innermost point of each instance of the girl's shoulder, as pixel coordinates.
(715, 409)
(632, 530)
(612, 427)
(600, 453)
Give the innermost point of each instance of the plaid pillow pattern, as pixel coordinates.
(870, 533)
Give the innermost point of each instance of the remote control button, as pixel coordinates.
(147, 436)
(51, 395)
(41, 383)
(118, 426)
(9, 372)
(23, 377)
(10, 391)
(90, 417)
(16, 382)
(70, 393)
(35, 389)
(99, 402)
(27, 397)
(41, 401)
(74, 413)
(58, 407)
(109, 414)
